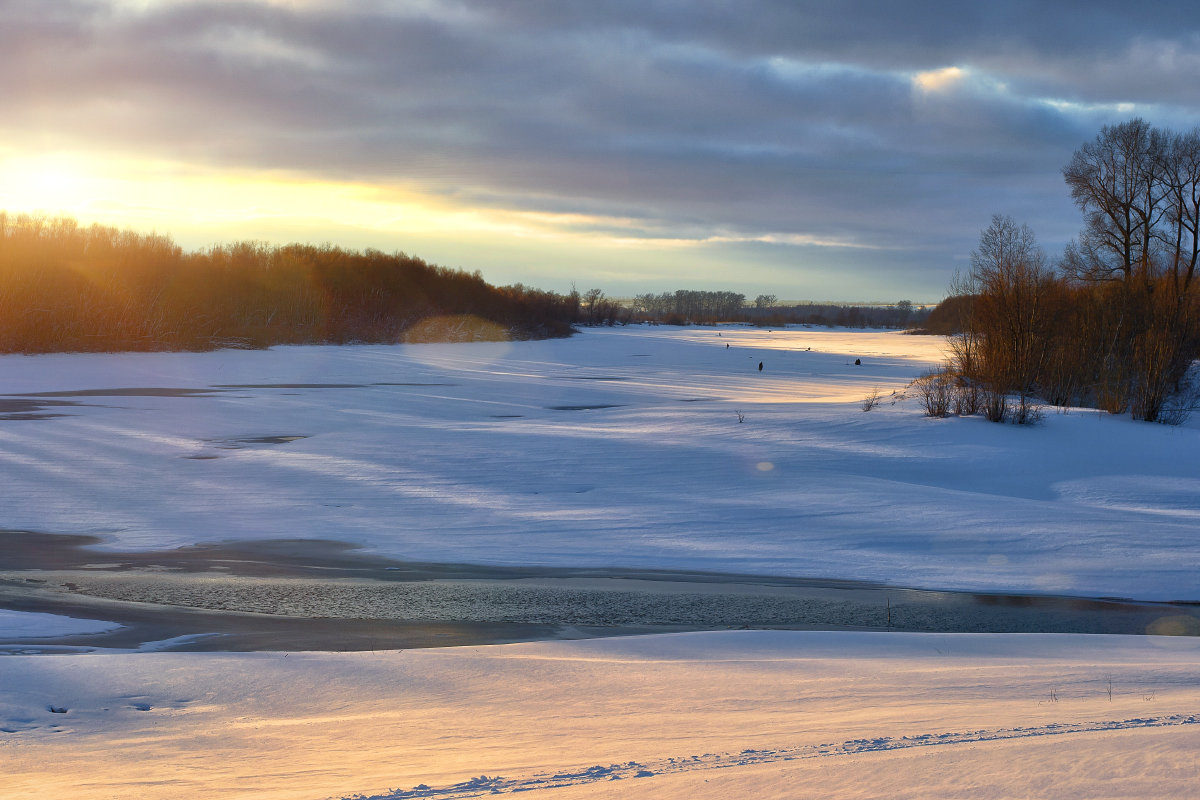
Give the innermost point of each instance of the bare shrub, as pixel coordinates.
(935, 391)
(870, 401)
(1178, 407)
(995, 405)
(1027, 412)
(964, 350)
(968, 398)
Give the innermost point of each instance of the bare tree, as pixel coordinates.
(1179, 172)
(592, 300)
(1009, 320)
(1121, 327)
(1115, 181)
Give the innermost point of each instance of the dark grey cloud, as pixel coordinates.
(695, 119)
(1044, 42)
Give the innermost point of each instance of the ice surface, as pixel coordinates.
(33, 625)
(617, 447)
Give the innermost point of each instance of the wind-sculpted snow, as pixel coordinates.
(671, 717)
(492, 785)
(638, 447)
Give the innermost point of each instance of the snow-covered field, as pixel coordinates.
(638, 447)
(618, 447)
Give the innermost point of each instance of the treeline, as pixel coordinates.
(69, 287)
(66, 287)
(900, 316)
(1116, 325)
(689, 306)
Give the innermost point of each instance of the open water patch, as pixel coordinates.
(11, 405)
(328, 595)
(142, 391)
(593, 407)
(19, 408)
(242, 442)
(593, 378)
(290, 386)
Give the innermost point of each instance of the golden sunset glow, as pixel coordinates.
(140, 193)
(178, 199)
(939, 80)
(173, 196)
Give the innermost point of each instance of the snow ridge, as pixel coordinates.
(484, 784)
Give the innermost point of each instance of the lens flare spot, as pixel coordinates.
(1053, 582)
(1179, 625)
(456, 328)
(440, 341)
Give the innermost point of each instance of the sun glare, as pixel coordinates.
(207, 206)
(166, 197)
(45, 184)
(173, 199)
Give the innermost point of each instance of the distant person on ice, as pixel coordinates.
(760, 366)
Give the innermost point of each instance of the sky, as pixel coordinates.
(825, 150)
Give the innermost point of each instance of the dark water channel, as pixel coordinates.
(325, 595)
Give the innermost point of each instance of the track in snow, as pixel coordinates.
(491, 785)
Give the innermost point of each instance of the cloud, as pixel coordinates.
(939, 80)
(889, 128)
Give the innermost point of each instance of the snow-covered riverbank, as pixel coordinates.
(736, 714)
